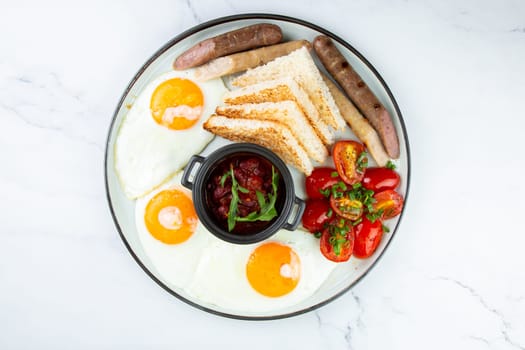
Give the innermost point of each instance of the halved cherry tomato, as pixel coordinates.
(316, 214)
(345, 207)
(337, 242)
(380, 179)
(367, 237)
(350, 160)
(319, 180)
(389, 202)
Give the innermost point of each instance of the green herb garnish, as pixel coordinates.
(236, 188)
(232, 212)
(390, 165)
(224, 178)
(325, 192)
(267, 208)
(338, 189)
(356, 193)
(374, 215)
(334, 174)
(317, 235)
(357, 222)
(386, 229)
(243, 190)
(338, 236)
(362, 162)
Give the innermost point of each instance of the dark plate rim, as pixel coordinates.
(212, 23)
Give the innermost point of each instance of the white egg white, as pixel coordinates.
(146, 153)
(220, 278)
(175, 263)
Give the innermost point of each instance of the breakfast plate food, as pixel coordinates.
(257, 166)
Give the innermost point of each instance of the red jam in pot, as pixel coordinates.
(252, 174)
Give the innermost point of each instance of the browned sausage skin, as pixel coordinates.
(245, 38)
(358, 91)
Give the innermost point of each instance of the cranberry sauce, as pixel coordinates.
(252, 174)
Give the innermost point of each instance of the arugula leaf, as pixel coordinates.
(242, 189)
(260, 199)
(268, 211)
(224, 178)
(232, 212)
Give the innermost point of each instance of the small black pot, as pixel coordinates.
(199, 178)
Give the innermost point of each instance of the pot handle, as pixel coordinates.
(300, 204)
(185, 181)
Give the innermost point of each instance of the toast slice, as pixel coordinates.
(299, 65)
(286, 112)
(281, 90)
(272, 135)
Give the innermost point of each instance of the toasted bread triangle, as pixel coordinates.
(299, 65)
(286, 112)
(272, 135)
(281, 90)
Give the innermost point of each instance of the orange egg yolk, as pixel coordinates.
(177, 104)
(273, 269)
(170, 216)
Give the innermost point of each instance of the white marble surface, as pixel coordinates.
(454, 277)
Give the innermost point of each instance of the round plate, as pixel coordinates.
(346, 275)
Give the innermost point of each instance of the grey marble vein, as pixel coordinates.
(504, 322)
(29, 121)
(350, 329)
(20, 116)
(345, 333)
(46, 86)
(480, 339)
(24, 80)
(193, 11)
(518, 30)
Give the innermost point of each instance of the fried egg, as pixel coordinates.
(163, 129)
(270, 275)
(170, 233)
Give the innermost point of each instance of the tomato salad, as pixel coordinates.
(347, 205)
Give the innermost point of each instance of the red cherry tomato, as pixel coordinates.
(337, 242)
(320, 179)
(350, 160)
(380, 179)
(367, 237)
(345, 207)
(316, 214)
(390, 202)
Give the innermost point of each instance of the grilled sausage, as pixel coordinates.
(247, 59)
(358, 91)
(359, 125)
(238, 40)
